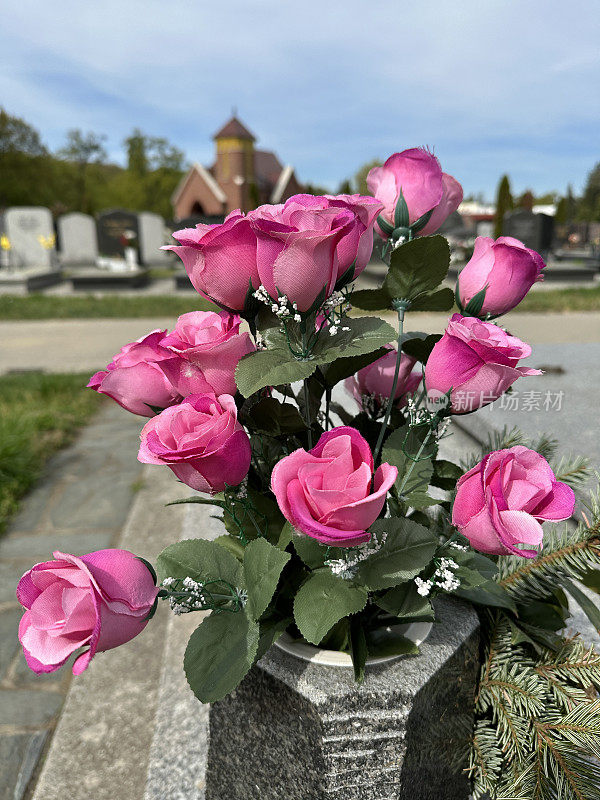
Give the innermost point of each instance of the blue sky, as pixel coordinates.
(491, 85)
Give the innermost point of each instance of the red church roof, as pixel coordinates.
(234, 129)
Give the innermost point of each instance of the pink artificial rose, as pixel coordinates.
(201, 440)
(134, 378)
(354, 213)
(220, 260)
(506, 267)
(501, 502)
(376, 380)
(207, 348)
(98, 601)
(326, 492)
(477, 360)
(417, 173)
(296, 249)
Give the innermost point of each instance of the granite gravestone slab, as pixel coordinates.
(30, 233)
(297, 730)
(114, 231)
(534, 230)
(78, 239)
(152, 236)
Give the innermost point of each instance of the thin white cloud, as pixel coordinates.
(496, 85)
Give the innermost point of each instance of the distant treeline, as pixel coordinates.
(78, 177)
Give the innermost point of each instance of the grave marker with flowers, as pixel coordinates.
(335, 546)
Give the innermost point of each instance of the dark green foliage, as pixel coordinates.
(504, 203)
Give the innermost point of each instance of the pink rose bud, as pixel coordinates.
(98, 601)
(220, 260)
(477, 360)
(373, 383)
(201, 440)
(134, 378)
(501, 502)
(505, 268)
(418, 175)
(326, 492)
(206, 348)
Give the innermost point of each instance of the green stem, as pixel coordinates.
(401, 308)
(306, 392)
(327, 405)
(414, 461)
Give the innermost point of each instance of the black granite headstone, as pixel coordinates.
(534, 230)
(113, 230)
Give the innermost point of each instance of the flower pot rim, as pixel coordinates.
(417, 632)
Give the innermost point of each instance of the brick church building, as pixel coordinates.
(241, 177)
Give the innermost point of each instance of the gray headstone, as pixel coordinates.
(30, 231)
(534, 230)
(78, 240)
(296, 730)
(153, 235)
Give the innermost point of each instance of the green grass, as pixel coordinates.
(560, 300)
(40, 306)
(39, 414)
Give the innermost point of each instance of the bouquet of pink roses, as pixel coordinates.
(331, 530)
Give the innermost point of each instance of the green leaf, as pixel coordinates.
(345, 367)
(231, 543)
(442, 300)
(202, 501)
(401, 447)
(271, 367)
(420, 500)
(401, 215)
(421, 348)
(358, 648)
(405, 602)
(273, 417)
(445, 474)
(270, 631)
(276, 365)
(364, 335)
(489, 593)
(382, 642)
(323, 600)
(201, 560)
(371, 299)
(263, 564)
(308, 549)
(417, 267)
(219, 654)
(408, 548)
(475, 304)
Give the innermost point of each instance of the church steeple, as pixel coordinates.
(234, 166)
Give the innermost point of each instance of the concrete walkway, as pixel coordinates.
(80, 505)
(64, 345)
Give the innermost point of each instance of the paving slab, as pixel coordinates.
(102, 742)
(63, 512)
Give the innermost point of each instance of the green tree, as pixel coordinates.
(313, 188)
(589, 209)
(562, 211)
(360, 178)
(526, 200)
(26, 173)
(82, 150)
(345, 187)
(504, 203)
